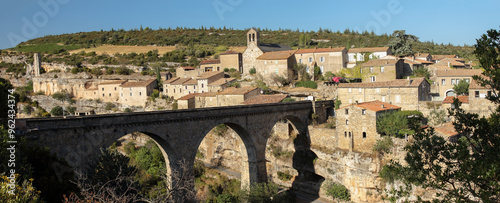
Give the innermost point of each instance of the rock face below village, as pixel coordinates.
(289, 165)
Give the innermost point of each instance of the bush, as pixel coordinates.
(338, 191)
(226, 70)
(175, 106)
(307, 84)
(57, 111)
(61, 96)
(383, 145)
(71, 109)
(109, 106)
(330, 123)
(288, 99)
(252, 71)
(285, 176)
(128, 110)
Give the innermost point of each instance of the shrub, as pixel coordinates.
(61, 96)
(252, 71)
(109, 106)
(285, 176)
(128, 110)
(307, 84)
(175, 106)
(338, 191)
(330, 123)
(383, 145)
(27, 109)
(288, 99)
(57, 111)
(226, 70)
(71, 109)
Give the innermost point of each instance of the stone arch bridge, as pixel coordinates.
(178, 133)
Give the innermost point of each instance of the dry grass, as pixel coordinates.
(112, 49)
(237, 49)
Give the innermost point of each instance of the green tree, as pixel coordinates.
(462, 88)
(401, 43)
(399, 123)
(467, 170)
(57, 111)
(252, 71)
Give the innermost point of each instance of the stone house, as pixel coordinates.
(358, 54)
(188, 72)
(452, 63)
(357, 125)
(380, 70)
(447, 131)
(255, 49)
(422, 56)
(231, 59)
(137, 93)
(327, 59)
(437, 58)
(448, 102)
(276, 63)
(477, 100)
(228, 97)
(444, 80)
(109, 91)
(210, 65)
(211, 81)
(406, 93)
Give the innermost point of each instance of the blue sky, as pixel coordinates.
(446, 21)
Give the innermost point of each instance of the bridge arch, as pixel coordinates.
(249, 170)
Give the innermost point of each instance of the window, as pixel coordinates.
(189, 92)
(174, 90)
(361, 70)
(140, 93)
(345, 134)
(103, 89)
(321, 69)
(398, 99)
(265, 72)
(443, 81)
(103, 94)
(180, 90)
(110, 94)
(371, 69)
(382, 69)
(201, 85)
(300, 60)
(378, 90)
(322, 59)
(276, 71)
(346, 111)
(364, 134)
(453, 81)
(265, 62)
(310, 59)
(131, 94)
(476, 93)
(346, 122)
(372, 78)
(121, 94)
(363, 112)
(488, 93)
(307, 69)
(467, 80)
(276, 62)
(350, 90)
(115, 88)
(383, 98)
(349, 134)
(359, 89)
(185, 87)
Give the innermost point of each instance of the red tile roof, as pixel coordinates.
(138, 84)
(441, 57)
(237, 91)
(222, 81)
(458, 72)
(209, 74)
(229, 52)
(462, 99)
(368, 49)
(211, 61)
(119, 82)
(188, 68)
(447, 129)
(318, 50)
(265, 99)
(276, 55)
(414, 82)
(375, 106)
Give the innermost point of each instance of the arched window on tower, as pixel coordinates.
(250, 37)
(253, 37)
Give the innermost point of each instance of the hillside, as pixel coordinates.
(212, 37)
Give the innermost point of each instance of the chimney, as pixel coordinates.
(356, 102)
(382, 105)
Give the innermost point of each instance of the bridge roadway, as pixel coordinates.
(178, 133)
